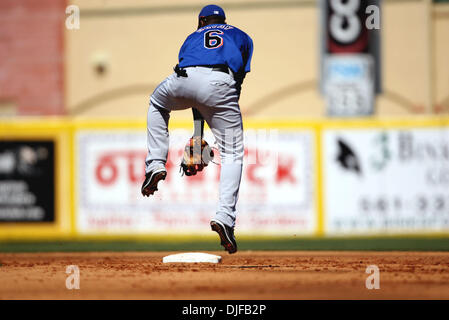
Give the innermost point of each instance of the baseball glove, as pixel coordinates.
(196, 156)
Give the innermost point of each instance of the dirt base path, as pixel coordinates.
(245, 275)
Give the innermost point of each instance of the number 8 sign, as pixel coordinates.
(345, 32)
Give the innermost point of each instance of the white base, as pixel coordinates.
(192, 257)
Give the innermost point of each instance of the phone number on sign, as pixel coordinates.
(420, 205)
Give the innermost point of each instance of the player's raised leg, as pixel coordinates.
(157, 137)
(157, 145)
(169, 95)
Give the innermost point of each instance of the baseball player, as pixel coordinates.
(213, 62)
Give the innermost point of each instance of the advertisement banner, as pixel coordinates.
(276, 194)
(386, 181)
(27, 181)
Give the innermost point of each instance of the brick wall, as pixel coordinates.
(31, 55)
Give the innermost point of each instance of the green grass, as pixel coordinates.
(375, 244)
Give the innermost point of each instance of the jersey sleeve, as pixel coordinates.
(183, 48)
(248, 53)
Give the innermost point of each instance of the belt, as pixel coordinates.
(218, 67)
(221, 68)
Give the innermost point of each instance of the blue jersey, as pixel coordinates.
(217, 44)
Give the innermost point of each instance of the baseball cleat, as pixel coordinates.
(226, 235)
(149, 186)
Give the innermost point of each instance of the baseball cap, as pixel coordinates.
(212, 10)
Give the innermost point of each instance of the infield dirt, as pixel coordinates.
(245, 275)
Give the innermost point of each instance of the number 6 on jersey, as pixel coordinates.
(212, 40)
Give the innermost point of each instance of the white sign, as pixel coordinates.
(276, 193)
(386, 181)
(349, 84)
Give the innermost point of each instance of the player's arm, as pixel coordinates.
(198, 132)
(198, 123)
(247, 52)
(197, 153)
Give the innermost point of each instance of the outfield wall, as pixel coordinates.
(300, 178)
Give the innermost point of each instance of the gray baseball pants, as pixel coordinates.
(214, 95)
